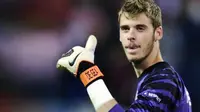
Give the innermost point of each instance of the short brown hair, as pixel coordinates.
(149, 7)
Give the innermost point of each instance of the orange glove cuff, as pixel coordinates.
(90, 75)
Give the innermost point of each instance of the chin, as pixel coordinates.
(135, 60)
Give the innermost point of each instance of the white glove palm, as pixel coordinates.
(77, 54)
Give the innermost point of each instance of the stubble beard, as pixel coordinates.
(147, 51)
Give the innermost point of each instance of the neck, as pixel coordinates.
(153, 58)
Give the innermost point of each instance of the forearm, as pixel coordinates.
(100, 96)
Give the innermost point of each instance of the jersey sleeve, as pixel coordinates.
(158, 94)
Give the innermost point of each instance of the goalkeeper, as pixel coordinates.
(159, 89)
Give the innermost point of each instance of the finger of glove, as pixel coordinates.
(69, 57)
(68, 53)
(61, 63)
(91, 43)
(73, 51)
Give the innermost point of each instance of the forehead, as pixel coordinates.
(125, 19)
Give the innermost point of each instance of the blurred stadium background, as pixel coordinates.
(34, 34)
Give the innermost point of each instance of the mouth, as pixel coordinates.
(132, 48)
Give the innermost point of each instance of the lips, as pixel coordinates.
(132, 46)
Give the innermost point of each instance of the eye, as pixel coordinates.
(125, 28)
(140, 28)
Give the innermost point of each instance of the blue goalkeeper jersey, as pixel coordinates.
(159, 89)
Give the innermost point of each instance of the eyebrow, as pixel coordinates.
(124, 26)
(141, 25)
(137, 25)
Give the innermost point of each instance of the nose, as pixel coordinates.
(131, 36)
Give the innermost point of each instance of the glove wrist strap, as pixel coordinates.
(90, 75)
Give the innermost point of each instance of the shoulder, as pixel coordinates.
(166, 79)
(160, 71)
(167, 73)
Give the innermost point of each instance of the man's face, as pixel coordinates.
(137, 36)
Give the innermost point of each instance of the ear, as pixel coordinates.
(158, 33)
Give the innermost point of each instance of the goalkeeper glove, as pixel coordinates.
(80, 62)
